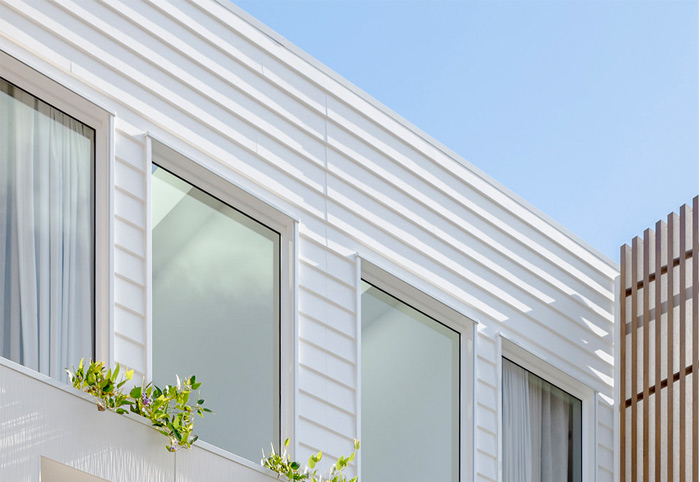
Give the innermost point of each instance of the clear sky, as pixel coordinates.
(586, 109)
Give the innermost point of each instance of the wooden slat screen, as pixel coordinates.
(658, 352)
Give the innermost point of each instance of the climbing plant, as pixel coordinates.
(283, 466)
(169, 409)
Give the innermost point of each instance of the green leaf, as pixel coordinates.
(135, 392)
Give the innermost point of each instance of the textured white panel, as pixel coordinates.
(191, 464)
(69, 429)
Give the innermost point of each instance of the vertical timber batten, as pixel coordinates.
(624, 253)
(672, 446)
(657, 350)
(633, 379)
(696, 335)
(645, 357)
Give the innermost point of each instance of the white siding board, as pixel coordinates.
(324, 388)
(324, 361)
(419, 208)
(338, 292)
(486, 465)
(318, 438)
(337, 317)
(129, 208)
(316, 254)
(239, 76)
(294, 85)
(129, 324)
(321, 335)
(218, 33)
(486, 394)
(551, 337)
(487, 419)
(130, 295)
(130, 354)
(487, 443)
(129, 179)
(129, 266)
(320, 413)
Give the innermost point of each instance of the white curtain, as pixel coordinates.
(517, 449)
(46, 234)
(536, 427)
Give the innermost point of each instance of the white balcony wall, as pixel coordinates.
(210, 82)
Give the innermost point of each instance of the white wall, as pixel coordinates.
(202, 78)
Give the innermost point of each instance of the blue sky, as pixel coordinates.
(586, 109)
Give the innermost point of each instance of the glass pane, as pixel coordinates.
(216, 312)
(46, 234)
(542, 429)
(410, 393)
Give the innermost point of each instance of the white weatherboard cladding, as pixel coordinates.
(210, 83)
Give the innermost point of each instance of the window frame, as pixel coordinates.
(219, 185)
(50, 91)
(442, 313)
(531, 361)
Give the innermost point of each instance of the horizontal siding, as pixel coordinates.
(131, 283)
(211, 85)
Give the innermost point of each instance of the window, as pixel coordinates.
(542, 429)
(411, 400)
(47, 233)
(216, 311)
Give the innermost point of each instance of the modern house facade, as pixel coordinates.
(187, 193)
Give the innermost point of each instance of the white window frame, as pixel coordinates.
(50, 91)
(530, 360)
(196, 172)
(448, 316)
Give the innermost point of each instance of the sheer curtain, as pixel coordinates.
(46, 234)
(517, 449)
(537, 429)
